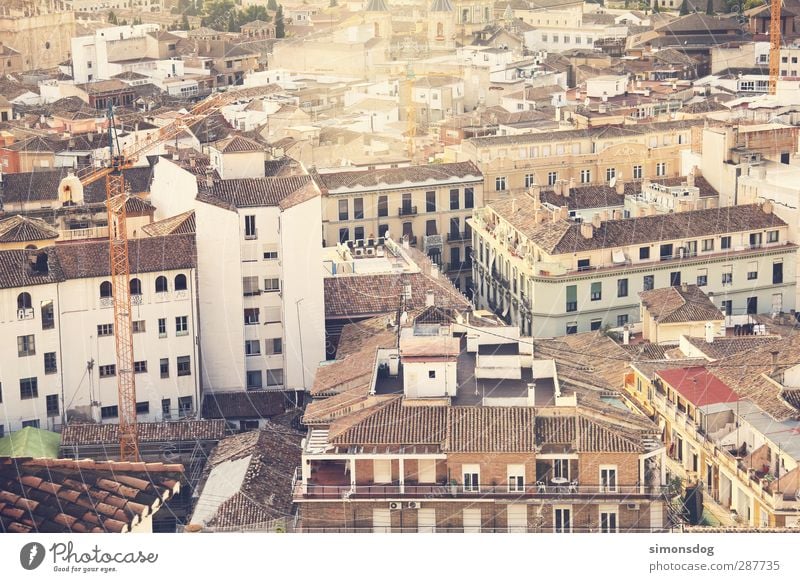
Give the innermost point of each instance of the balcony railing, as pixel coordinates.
(457, 236)
(407, 210)
(459, 266)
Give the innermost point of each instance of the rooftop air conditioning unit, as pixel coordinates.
(394, 505)
(371, 251)
(359, 252)
(412, 505)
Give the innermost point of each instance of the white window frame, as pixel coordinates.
(608, 510)
(558, 518)
(472, 477)
(607, 484)
(516, 478)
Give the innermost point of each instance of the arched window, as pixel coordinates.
(30, 247)
(105, 289)
(161, 284)
(136, 287)
(180, 282)
(24, 301)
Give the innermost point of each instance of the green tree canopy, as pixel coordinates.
(684, 8)
(280, 27)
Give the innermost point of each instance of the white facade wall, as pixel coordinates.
(419, 384)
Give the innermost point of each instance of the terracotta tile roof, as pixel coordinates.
(32, 144)
(698, 386)
(354, 370)
(594, 196)
(354, 336)
(491, 429)
(252, 404)
(680, 304)
(252, 192)
(182, 430)
(399, 177)
(792, 397)
(183, 223)
(723, 347)
(585, 435)
(265, 493)
(16, 269)
(135, 206)
(394, 423)
(22, 229)
(646, 351)
(565, 237)
(369, 295)
(238, 144)
(81, 496)
(91, 259)
(42, 185)
(590, 358)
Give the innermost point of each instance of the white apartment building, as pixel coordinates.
(551, 276)
(259, 246)
(57, 346)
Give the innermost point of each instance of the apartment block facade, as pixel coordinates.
(552, 277)
(428, 205)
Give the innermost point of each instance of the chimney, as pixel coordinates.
(709, 332)
(626, 335)
(558, 188)
(690, 177)
(767, 207)
(684, 287)
(563, 212)
(209, 178)
(774, 354)
(536, 191)
(617, 214)
(619, 187)
(604, 216)
(430, 300)
(570, 187)
(587, 230)
(596, 221)
(434, 271)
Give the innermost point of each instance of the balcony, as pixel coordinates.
(407, 210)
(458, 236)
(459, 266)
(83, 233)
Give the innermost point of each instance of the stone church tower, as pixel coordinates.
(441, 25)
(377, 14)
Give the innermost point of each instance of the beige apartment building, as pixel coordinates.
(513, 163)
(552, 276)
(40, 31)
(427, 205)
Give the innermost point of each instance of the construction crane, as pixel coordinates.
(116, 198)
(774, 45)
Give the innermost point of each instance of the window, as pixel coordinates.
(50, 365)
(135, 286)
(752, 305)
(430, 201)
(251, 316)
(161, 284)
(24, 301)
(455, 194)
(275, 377)
(597, 291)
(586, 176)
(608, 520)
(500, 183)
(516, 478)
(755, 240)
(648, 282)
(622, 320)
(702, 277)
(250, 286)
(181, 325)
(406, 207)
(708, 244)
(252, 347)
(469, 197)
(185, 405)
(727, 307)
(595, 324)
(608, 479)
(184, 366)
(358, 208)
(108, 370)
(140, 367)
(611, 173)
(752, 271)
(552, 178)
(644, 253)
(343, 210)
(725, 242)
(48, 316)
(661, 169)
(622, 287)
(166, 403)
(26, 345)
(777, 272)
(51, 401)
(727, 276)
(675, 278)
(271, 255)
(344, 235)
(273, 346)
(665, 252)
(572, 327)
(107, 412)
(142, 408)
(105, 329)
(471, 477)
(273, 284)
(583, 264)
(105, 290)
(162, 327)
(30, 423)
(163, 366)
(530, 180)
(180, 282)
(562, 520)
(250, 231)
(637, 172)
(572, 298)
(138, 326)
(254, 379)
(691, 248)
(382, 230)
(28, 388)
(772, 236)
(383, 206)
(272, 314)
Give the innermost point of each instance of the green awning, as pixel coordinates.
(31, 442)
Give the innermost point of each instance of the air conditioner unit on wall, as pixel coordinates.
(633, 506)
(395, 505)
(412, 505)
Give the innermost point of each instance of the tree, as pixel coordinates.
(710, 7)
(684, 8)
(252, 13)
(112, 18)
(272, 5)
(218, 14)
(280, 29)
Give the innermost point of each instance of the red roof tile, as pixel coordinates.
(698, 386)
